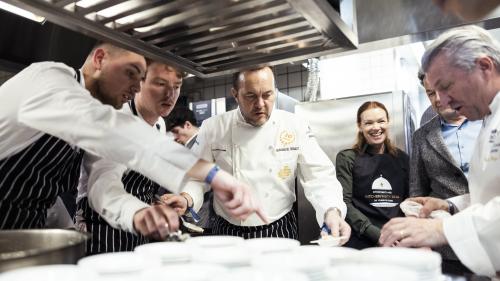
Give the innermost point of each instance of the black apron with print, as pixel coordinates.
(31, 180)
(380, 184)
(105, 238)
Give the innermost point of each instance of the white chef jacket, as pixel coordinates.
(474, 233)
(107, 195)
(269, 158)
(46, 98)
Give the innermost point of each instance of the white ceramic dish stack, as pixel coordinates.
(361, 272)
(215, 241)
(251, 274)
(270, 245)
(58, 272)
(312, 266)
(336, 255)
(187, 272)
(116, 266)
(425, 263)
(167, 253)
(230, 257)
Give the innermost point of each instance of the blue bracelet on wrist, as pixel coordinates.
(211, 174)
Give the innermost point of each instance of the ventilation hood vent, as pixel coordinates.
(207, 38)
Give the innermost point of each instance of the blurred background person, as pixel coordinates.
(374, 176)
(182, 124)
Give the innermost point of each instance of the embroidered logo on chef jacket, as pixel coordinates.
(284, 172)
(382, 196)
(287, 137)
(494, 151)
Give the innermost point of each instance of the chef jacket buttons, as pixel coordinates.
(271, 147)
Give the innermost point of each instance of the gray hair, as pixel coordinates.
(462, 46)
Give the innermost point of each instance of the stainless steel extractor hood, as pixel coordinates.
(208, 37)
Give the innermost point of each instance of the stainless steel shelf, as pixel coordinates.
(207, 38)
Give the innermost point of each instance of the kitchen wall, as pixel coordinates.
(291, 79)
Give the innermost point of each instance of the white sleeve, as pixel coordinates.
(317, 176)
(461, 201)
(62, 108)
(196, 189)
(107, 195)
(474, 236)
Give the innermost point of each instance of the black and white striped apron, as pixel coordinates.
(285, 227)
(31, 180)
(105, 238)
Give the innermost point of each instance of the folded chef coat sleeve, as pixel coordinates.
(474, 236)
(317, 176)
(63, 108)
(107, 195)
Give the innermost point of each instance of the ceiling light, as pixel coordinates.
(21, 12)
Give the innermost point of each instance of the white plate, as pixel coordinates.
(306, 263)
(114, 263)
(187, 272)
(215, 241)
(270, 245)
(226, 256)
(166, 252)
(329, 241)
(56, 272)
(416, 259)
(357, 272)
(251, 274)
(336, 255)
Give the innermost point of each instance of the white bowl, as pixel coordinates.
(306, 263)
(186, 272)
(225, 256)
(56, 272)
(122, 263)
(270, 245)
(215, 241)
(370, 272)
(416, 259)
(335, 256)
(166, 253)
(251, 274)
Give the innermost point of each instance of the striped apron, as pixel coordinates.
(285, 227)
(105, 238)
(31, 180)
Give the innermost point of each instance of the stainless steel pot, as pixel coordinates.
(21, 248)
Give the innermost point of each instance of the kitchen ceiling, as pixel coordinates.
(209, 38)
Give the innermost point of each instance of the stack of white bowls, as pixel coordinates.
(57, 272)
(263, 246)
(370, 272)
(219, 250)
(167, 253)
(252, 274)
(313, 266)
(336, 256)
(425, 263)
(116, 266)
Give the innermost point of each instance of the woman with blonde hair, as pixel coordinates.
(374, 176)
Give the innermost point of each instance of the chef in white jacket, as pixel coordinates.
(268, 148)
(463, 66)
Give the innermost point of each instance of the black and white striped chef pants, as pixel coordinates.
(285, 227)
